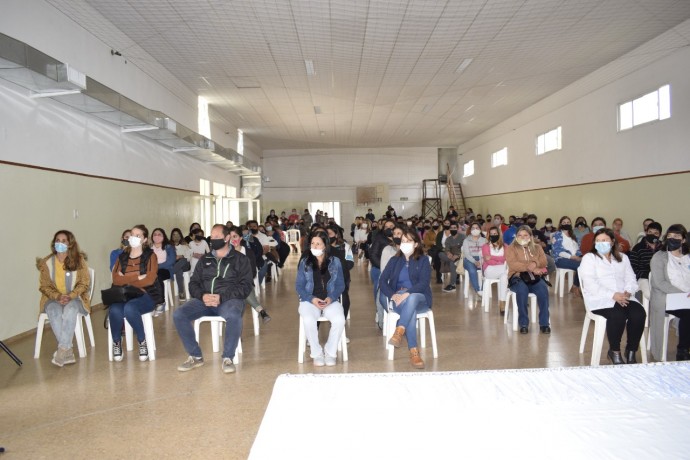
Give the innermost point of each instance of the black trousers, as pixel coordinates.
(683, 328)
(620, 318)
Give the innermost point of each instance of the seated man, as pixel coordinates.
(641, 256)
(221, 282)
(450, 256)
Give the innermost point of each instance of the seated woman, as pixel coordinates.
(566, 251)
(241, 245)
(198, 247)
(670, 274)
(319, 284)
(115, 253)
(360, 238)
(64, 285)
(165, 254)
(405, 282)
(341, 250)
(189, 238)
(609, 289)
(429, 238)
(494, 265)
(137, 266)
(524, 256)
(581, 229)
(182, 257)
(472, 252)
(617, 226)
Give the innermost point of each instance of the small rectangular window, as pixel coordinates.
(499, 158)
(644, 109)
(468, 169)
(549, 141)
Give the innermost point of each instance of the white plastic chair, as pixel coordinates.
(668, 319)
(390, 320)
(168, 294)
(511, 300)
(560, 280)
(186, 276)
(217, 323)
(147, 319)
(293, 237)
(302, 345)
(78, 327)
(466, 279)
(486, 290)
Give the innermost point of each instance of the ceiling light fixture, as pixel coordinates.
(309, 64)
(317, 109)
(463, 65)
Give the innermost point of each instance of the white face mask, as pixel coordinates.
(134, 241)
(364, 226)
(407, 248)
(597, 228)
(523, 242)
(476, 232)
(317, 252)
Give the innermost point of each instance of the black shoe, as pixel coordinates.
(682, 354)
(264, 316)
(439, 281)
(545, 329)
(630, 357)
(524, 330)
(615, 357)
(449, 288)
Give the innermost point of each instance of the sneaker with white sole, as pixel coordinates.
(319, 361)
(159, 310)
(117, 351)
(192, 363)
(449, 288)
(58, 360)
(143, 351)
(68, 356)
(330, 360)
(228, 366)
(265, 318)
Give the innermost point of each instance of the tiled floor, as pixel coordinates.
(99, 409)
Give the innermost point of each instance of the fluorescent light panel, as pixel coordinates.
(463, 65)
(309, 64)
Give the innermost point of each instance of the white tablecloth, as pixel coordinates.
(631, 412)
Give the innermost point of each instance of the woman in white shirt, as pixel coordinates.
(670, 274)
(183, 254)
(472, 251)
(566, 250)
(361, 233)
(198, 246)
(608, 287)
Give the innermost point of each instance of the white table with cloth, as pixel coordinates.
(627, 412)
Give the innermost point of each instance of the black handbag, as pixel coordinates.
(120, 294)
(529, 278)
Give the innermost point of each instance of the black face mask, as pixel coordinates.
(673, 244)
(435, 227)
(493, 238)
(217, 244)
(532, 224)
(397, 240)
(427, 227)
(651, 239)
(198, 237)
(446, 227)
(254, 231)
(453, 232)
(388, 232)
(568, 228)
(125, 243)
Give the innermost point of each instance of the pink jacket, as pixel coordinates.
(494, 260)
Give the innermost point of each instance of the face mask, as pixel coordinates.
(269, 228)
(596, 228)
(409, 224)
(446, 227)
(435, 227)
(532, 224)
(158, 239)
(453, 232)
(125, 243)
(548, 225)
(475, 232)
(374, 227)
(407, 248)
(388, 232)
(317, 252)
(427, 227)
(523, 242)
(60, 248)
(673, 244)
(397, 240)
(134, 241)
(217, 244)
(603, 247)
(493, 238)
(567, 227)
(364, 226)
(651, 239)
(198, 237)
(497, 222)
(254, 231)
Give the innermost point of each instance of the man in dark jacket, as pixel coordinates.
(221, 282)
(378, 243)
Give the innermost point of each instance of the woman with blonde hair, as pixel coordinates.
(64, 284)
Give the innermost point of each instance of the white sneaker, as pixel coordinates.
(319, 361)
(330, 360)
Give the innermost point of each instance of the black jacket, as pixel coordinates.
(231, 277)
(378, 243)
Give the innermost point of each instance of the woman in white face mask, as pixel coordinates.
(472, 252)
(405, 283)
(609, 287)
(64, 286)
(320, 282)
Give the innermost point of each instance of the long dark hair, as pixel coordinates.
(338, 240)
(675, 228)
(74, 257)
(410, 234)
(567, 232)
(165, 242)
(614, 244)
(310, 259)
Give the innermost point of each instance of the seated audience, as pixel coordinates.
(494, 265)
(566, 250)
(472, 253)
(643, 233)
(183, 254)
(242, 246)
(587, 243)
(429, 238)
(609, 286)
(641, 256)
(452, 252)
(115, 253)
(198, 247)
(189, 238)
(341, 250)
(619, 232)
(64, 285)
(580, 229)
(165, 254)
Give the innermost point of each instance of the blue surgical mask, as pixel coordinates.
(60, 247)
(269, 228)
(603, 247)
(596, 228)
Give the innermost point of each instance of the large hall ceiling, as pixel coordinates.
(386, 72)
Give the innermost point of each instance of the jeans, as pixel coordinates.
(415, 303)
(262, 272)
(522, 292)
(471, 270)
(570, 264)
(618, 318)
(181, 266)
(132, 311)
(375, 274)
(448, 266)
(63, 319)
(500, 273)
(253, 301)
(230, 310)
(310, 314)
(683, 327)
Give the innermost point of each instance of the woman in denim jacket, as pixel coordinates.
(319, 284)
(566, 251)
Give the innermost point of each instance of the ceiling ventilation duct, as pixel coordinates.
(47, 77)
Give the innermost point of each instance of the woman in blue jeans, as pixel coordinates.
(523, 255)
(137, 266)
(472, 252)
(566, 251)
(405, 282)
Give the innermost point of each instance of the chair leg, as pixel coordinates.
(664, 345)
(150, 337)
(432, 330)
(129, 335)
(343, 344)
(302, 346)
(515, 312)
(110, 343)
(583, 337)
(79, 335)
(599, 334)
(215, 335)
(533, 307)
(255, 320)
(422, 330)
(89, 328)
(39, 334)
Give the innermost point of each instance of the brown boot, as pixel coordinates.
(415, 360)
(576, 291)
(502, 307)
(396, 340)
